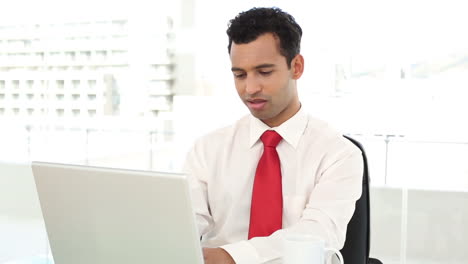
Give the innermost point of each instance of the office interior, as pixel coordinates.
(133, 84)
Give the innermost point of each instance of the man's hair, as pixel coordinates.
(249, 25)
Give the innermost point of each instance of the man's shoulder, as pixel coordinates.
(319, 127)
(328, 136)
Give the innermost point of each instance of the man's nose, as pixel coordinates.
(252, 86)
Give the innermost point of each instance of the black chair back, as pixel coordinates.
(357, 243)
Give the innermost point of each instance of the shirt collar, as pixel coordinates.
(291, 130)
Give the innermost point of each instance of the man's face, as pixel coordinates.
(263, 80)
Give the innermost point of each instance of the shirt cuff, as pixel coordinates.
(242, 252)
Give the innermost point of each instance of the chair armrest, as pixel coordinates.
(374, 261)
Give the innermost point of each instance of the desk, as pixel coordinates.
(32, 260)
(22, 232)
(22, 239)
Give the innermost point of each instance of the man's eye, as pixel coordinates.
(239, 75)
(265, 73)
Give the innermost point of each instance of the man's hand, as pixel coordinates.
(217, 256)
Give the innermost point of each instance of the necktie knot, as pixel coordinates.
(270, 138)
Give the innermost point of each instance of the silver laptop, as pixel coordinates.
(102, 215)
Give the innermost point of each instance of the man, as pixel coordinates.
(313, 175)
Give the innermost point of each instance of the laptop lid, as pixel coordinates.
(103, 215)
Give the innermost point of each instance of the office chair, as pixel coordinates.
(357, 243)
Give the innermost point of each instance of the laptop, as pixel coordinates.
(105, 215)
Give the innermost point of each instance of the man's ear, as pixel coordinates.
(297, 66)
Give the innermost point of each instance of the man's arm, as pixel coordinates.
(217, 256)
(197, 170)
(196, 166)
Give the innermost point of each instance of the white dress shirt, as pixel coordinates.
(321, 180)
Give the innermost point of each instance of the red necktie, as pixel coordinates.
(266, 212)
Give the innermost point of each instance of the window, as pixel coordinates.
(70, 55)
(76, 84)
(101, 55)
(55, 57)
(15, 84)
(40, 56)
(29, 84)
(91, 84)
(85, 55)
(27, 43)
(60, 84)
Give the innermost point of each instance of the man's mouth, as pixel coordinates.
(256, 104)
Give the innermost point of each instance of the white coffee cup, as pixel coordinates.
(306, 249)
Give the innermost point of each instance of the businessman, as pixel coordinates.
(277, 170)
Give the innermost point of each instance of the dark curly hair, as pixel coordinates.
(249, 25)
